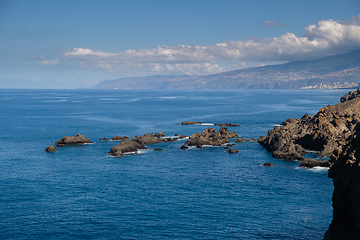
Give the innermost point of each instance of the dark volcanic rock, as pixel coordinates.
(78, 139)
(345, 173)
(322, 132)
(184, 147)
(210, 137)
(267, 164)
(51, 148)
(233, 150)
(227, 125)
(350, 95)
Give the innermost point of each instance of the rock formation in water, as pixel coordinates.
(78, 139)
(322, 132)
(233, 150)
(210, 137)
(190, 123)
(345, 172)
(134, 144)
(227, 125)
(51, 148)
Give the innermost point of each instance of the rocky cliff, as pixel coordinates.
(345, 172)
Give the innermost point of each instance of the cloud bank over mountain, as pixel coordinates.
(326, 38)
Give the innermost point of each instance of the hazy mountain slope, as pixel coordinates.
(339, 68)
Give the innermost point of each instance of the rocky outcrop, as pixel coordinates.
(126, 146)
(51, 148)
(350, 95)
(210, 137)
(322, 132)
(78, 139)
(310, 163)
(345, 172)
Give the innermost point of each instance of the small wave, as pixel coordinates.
(314, 169)
(276, 125)
(207, 124)
(52, 101)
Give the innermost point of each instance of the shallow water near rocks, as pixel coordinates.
(79, 192)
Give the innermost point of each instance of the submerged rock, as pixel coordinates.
(227, 124)
(78, 139)
(239, 140)
(158, 149)
(190, 123)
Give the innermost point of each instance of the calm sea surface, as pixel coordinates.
(79, 192)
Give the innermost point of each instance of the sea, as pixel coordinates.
(81, 192)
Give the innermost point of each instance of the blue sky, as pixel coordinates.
(74, 44)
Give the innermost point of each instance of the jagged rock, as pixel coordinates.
(51, 148)
(233, 150)
(310, 163)
(267, 164)
(322, 132)
(345, 172)
(78, 139)
(227, 125)
(210, 137)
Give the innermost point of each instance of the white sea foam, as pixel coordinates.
(207, 124)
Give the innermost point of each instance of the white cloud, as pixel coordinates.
(50, 62)
(326, 38)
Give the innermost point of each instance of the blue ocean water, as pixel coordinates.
(79, 192)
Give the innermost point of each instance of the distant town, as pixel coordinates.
(337, 85)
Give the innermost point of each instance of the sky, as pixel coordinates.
(76, 44)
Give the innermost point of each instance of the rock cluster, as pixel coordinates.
(134, 144)
(210, 137)
(345, 172)
(322, 132)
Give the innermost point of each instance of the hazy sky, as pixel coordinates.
(72, 44)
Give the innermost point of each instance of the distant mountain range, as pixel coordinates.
(339, 71)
